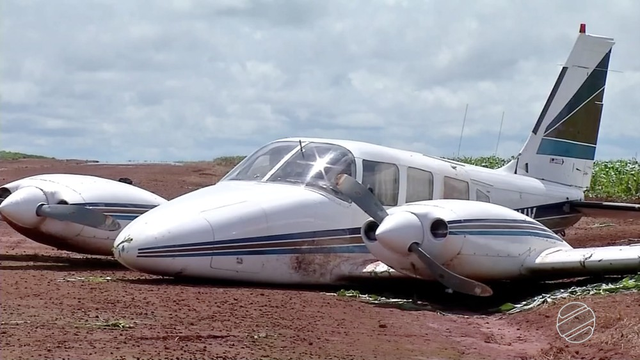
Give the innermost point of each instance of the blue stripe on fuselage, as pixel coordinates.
(341, 249)
(350, 249)
(316, 234)
(492, 221)
(484, 232)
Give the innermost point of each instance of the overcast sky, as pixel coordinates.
(190, 80)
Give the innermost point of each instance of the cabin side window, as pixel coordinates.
(382, 179)
(455, 189)
(419, 185)
(481, 196)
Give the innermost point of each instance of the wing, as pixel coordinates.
(597, 209)
(566, 262)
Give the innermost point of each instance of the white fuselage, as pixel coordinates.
(283, 231)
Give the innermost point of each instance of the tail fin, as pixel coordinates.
(562, 146)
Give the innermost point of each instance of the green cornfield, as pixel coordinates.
(611, 180)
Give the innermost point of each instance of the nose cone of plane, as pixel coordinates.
(399, 230)
(153, 244)
(20, 207)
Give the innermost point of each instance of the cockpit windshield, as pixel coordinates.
(310, 164)
(261, 162)
(316, 162)
(317, 165)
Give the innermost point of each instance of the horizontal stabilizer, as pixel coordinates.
(564, 262)
(610, 210)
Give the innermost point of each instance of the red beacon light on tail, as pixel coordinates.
(583, 28)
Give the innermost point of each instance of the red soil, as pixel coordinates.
(44, 316)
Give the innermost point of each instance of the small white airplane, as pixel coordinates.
(78, 213)
(69, 227)
(293, 212)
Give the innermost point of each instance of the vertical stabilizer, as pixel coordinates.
(562, 146)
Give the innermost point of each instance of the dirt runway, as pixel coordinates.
(58, 305)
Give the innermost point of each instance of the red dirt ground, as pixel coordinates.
(46, 316)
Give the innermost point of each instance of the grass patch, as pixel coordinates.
(388, 301)
(12, 155)
(114, 324)
(111, 324)
(14, 322)
(602, 224)
(94, 279)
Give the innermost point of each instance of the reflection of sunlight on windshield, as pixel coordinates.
(318, 165)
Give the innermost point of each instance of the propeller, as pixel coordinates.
(80, 215)
(367, 201)
(19, 208)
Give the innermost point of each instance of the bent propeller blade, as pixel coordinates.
(79, 215)
(452, 280)
(362, 197)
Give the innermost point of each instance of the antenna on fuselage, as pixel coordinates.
(301, 152)
(499, 133)
(464, 120)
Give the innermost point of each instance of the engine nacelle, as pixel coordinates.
(470, 236)
(449, 230)
(437, 240)
(121, 200)
(420, 223)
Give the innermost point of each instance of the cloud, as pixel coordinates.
(195, 79)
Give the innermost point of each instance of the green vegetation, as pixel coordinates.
(612, 179)
(628, 284)
(228, 160)
(491, 162)
(11, 155)
(94, 279)
(114, 324)
(615, 179)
